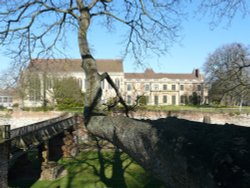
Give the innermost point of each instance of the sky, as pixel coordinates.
(197, 41)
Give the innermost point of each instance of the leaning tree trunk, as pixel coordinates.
(181, 153)
(93, 79)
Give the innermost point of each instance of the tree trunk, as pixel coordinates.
(93, 79)
(182, 153)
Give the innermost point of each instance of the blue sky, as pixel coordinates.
(196, 42)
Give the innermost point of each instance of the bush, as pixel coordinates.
(65, 103)
(68, 94)
(15, 105)
(142, 100)
(2, 107)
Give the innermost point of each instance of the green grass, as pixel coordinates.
(99, 170)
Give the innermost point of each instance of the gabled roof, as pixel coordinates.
(73, 65)
(150, 74)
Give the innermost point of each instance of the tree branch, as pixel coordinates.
(110, 81)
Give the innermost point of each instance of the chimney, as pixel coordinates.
(196, 72)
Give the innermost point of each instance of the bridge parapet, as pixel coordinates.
(32, 135)
(33, 127)
(14, 143)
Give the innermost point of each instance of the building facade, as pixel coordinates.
(157, 88)
(6, 98)
(166, 89)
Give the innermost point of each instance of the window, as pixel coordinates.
(165, 99)
(146, 87)
(156, 99)
(10, 99)
(0, 99)
(49, 83)
(5, 99)
(190, 99)
(34, 89)
(182, 87)
(129, 87)
(80, 83)
(183, 99)
(173, 100)
(199, 87)
(129, 99)
(117, 83)
(173, 87)
(156, 87)
(165, 87)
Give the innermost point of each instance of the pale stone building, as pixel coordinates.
(40, 74)
(158, 88)
(166, 89)
(6, 98)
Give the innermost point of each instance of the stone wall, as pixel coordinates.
(216, 118)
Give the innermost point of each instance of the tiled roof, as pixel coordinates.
(5, 92)
(150, 74)
(74, 65)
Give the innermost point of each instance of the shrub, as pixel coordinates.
(142, 100)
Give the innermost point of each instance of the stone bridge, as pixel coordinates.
(42, 135)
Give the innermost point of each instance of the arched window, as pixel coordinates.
(80, 83)
(49, 83)
(34, 88)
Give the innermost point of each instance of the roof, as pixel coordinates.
(5, 92)
(73, 65)
(150, 74)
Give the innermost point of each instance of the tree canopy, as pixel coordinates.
(38, 28)
(228, 72)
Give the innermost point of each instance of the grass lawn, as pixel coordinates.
(95, 169)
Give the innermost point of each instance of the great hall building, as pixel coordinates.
(158, 88)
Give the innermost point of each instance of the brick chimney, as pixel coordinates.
(196, 73)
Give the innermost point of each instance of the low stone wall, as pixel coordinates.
(216, 118)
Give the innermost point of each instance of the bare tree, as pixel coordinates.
(175, 154)
(223, 10)
(228, 73)
(148, 24)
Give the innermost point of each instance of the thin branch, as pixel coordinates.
(110, 81)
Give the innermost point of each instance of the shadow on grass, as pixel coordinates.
(102, 166)
(99, 166)
(26, 170)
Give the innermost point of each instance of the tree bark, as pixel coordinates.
(179, 152)
(182, 153)
(93, 79)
